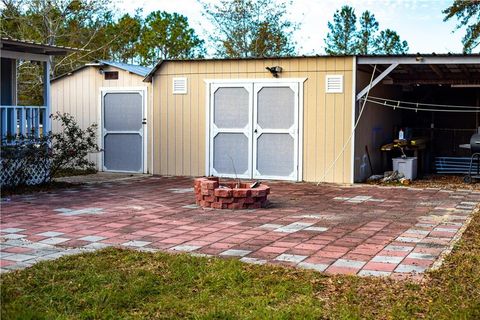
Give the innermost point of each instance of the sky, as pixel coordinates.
(420, 22)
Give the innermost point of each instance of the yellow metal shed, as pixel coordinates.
(199, 130)
(114, 96)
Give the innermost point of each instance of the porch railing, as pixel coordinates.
(23, 120)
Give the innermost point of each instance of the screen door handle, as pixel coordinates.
(144, 121)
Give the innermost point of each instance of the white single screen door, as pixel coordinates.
(122, 127)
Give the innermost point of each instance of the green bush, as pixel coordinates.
(27, 159)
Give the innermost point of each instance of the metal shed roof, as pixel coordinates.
(361, 59)
(18, 45)
(133, 68)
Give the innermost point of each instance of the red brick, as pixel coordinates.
(216, 179)
(226, 200)
(235, 206)
(223, 193)
(255, 205)
(249, 200)
(198, 182)
(210, 198)
(257, 192)
(241, 193)
(207, 192)
(239, 200)
(219, 205)
(205, 204)
(210, 185)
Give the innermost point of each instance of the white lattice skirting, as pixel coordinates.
(18, 171)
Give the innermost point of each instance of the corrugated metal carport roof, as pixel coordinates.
(18, 45)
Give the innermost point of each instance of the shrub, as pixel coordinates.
(27, 159)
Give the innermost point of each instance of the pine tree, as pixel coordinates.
(251, 28)
(366, 40)
(341, 37)
(344, 39)
(389, 42)
(468, 14)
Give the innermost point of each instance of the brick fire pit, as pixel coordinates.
(211, 193)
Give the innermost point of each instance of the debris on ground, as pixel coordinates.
(452, 182)
(389, 177)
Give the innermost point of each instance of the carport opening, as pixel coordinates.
(438, 138)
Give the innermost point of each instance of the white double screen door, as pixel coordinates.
(254, 130)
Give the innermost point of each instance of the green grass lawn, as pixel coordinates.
(127, 284)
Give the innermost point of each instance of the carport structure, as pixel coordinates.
(434, 98)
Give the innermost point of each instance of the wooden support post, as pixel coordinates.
(46, 96)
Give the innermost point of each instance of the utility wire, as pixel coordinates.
(353, 131)
(425, 104)
(399, 106)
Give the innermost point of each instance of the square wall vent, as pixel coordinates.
(179, 85)
(334, 83)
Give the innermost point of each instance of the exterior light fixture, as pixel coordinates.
(274, 70)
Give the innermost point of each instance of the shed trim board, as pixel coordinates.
(420, 59)
(143, 91)
(253, 86)
(354, 120)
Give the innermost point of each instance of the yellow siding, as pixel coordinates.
(180, 128)
(79, 95)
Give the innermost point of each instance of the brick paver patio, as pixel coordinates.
(360, 230)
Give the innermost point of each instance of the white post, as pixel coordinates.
(4, 122)
(36, 119)
(14, 121)
(22, 121)
(28, 120)
(46, 96)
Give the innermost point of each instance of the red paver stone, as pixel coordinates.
(17, 250)
(341, 270)
(150, 210)
(6, 263)
(380, 266)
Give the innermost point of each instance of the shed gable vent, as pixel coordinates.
(179, 85)
(334, 84)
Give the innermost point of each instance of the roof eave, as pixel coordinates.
(149, 76)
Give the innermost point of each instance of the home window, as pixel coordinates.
(111, 75)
